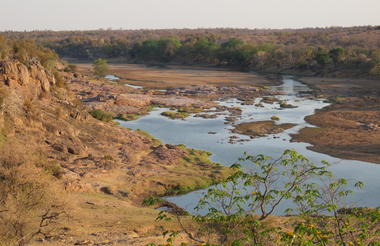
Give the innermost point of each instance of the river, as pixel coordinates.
(193, 132)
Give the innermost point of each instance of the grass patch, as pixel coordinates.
(54, 169)
(338, 100)
(3, 138)
(155, 141)
(200, 173)
(199, 157)
(127, 117)
(100, 195)
(59, 80)
(191, 110)
(152, 200)
(3, 95)
(175, 115)
(153, 106)
(101, 115)
(284, 104)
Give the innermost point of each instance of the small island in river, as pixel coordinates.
(261, 128)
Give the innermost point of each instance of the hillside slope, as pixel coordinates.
(96, 173)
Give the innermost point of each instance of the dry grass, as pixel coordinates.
(345, 130)
(179, 76)
(31, 202)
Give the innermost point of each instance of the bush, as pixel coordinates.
(59, 81)
(54, 169)
(100, 67)
(101, 115)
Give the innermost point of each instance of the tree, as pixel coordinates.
(236, 212)
(232, 43)
(259, 60)
(336, 54)
(100, 67)
(203, 50)
(322, 57)
(168, 48)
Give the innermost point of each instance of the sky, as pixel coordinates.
(29, 15)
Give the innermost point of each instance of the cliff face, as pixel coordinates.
(20, 85)
(33, 79)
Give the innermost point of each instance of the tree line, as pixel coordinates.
(271, 56)
(354, 50)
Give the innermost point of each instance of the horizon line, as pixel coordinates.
(188, 28)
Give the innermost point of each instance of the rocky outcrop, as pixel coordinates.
(32, 79)
(167, 154)
(136, 100)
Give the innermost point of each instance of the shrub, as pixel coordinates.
(59, 81)
(106, 190)
(151, 200)
(54, 169)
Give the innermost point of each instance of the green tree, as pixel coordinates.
(203, 50)
(237, 211)
(100, 67)
(322, 57)
(167, 48)
(232, 43)
(337, 55)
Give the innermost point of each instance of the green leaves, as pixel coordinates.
(100, 67)
(237, 209)
(162, 215)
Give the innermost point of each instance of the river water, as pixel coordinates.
(115, 78)
(193, 132)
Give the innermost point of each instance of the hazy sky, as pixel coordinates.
(153, 14)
